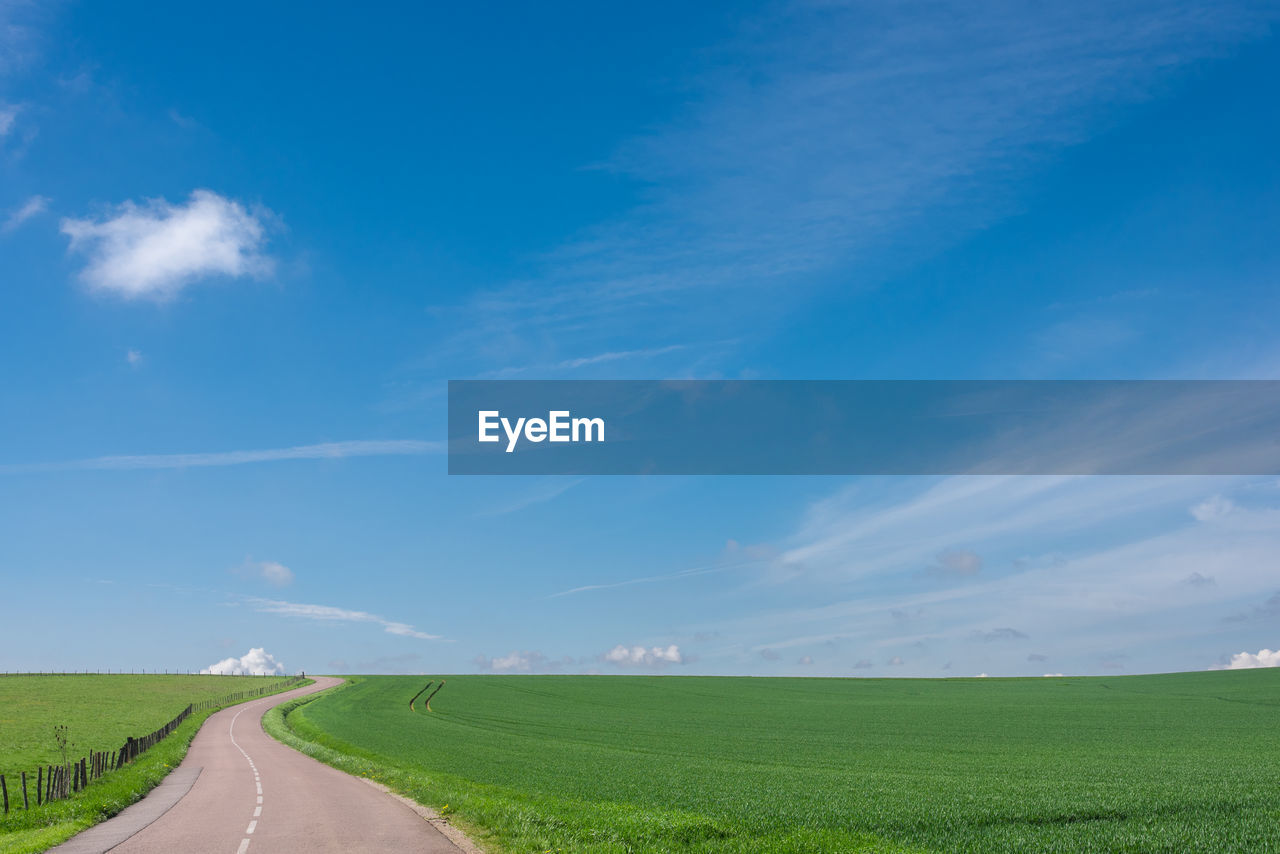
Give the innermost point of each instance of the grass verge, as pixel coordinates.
(505, 821)
(37, 829)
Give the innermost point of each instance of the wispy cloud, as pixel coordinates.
(329, 613)
(274, 573)
(652, 579)
(1091, 567)
(8, 117)
(156, 248)
(804, 159)
(585, 361)
(539, 495)
(33, 206)
(523, 661)
(323, 451)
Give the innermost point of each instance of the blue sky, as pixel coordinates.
(242, 250)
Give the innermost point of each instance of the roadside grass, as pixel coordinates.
(100, 711)
(503, 819)
(1172, 763)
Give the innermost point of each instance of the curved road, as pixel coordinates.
(256, 795)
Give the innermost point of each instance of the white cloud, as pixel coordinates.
(1212, 508)
(331, 614)
(155, 249)
(797, 157)
(33, 206)
(133, 357)
(323, 451)
(1051, 675)
(8, 115)
(955, 563)
(256, 662)
(275, 574)
(981, 676)
(1250, 660)
(1074, 563)
(518, 662)
(639, 656)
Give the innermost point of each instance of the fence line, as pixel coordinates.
(57, 782)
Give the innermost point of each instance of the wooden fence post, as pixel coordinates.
(26, 804)
(5, 789)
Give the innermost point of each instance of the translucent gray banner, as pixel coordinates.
(1224, 427)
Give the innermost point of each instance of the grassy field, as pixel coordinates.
(1181, 762)
(99, 712)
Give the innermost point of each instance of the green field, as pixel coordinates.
(1181, 762)
(99, 713)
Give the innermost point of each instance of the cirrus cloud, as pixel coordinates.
(329, 613)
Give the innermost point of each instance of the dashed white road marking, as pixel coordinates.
(257, 782)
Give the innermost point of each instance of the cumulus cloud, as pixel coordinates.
(1250, 660)
(1050, 675)
(8, 116)
(863, 664)
(155, 249)
(1212, 508)
(133, 357)
(639, 656)
(329, 613)
(256, 662)
(1197, 579)
(33, 206)
(805, 660)
(896, 661)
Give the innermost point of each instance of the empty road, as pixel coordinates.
(253, 794)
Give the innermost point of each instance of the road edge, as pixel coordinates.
(131, 820)
(449, 830)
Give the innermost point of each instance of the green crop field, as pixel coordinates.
(1180, 762)
(99, 712)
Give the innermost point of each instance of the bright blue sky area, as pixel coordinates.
(405, 195)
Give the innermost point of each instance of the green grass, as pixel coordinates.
(100, 712)
(1180, 762)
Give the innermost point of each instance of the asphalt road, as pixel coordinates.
(253, 794)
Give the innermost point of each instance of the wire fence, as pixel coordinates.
(58, 782)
